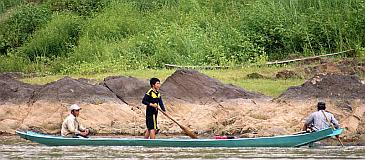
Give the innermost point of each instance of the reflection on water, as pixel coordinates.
(15, 148)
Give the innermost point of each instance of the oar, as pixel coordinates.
(185, 129)
(333, 128)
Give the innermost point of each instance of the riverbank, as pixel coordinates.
(200, 101)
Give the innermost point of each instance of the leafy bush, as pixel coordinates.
(5, 4)
(305, 27)
(148, 5)
(17, 28)
(118, 22)
(56, 39)
(81, 7)
(13, 63)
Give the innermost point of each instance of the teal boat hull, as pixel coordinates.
(276, 141)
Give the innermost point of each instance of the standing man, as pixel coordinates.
(319, 120)
(152, 99)
(71, 126)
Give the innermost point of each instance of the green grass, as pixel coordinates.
(270, 86)
(266, 86)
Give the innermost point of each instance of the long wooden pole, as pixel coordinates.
(333, 127)
(185, 129)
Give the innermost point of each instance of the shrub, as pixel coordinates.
(5, 4)
(148, 5)
(20, 25)
(80, 7)
(117, 22)
(56, 39)
(13, 63)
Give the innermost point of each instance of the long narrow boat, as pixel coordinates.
(276, 141)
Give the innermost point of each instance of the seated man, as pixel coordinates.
(320, 119)
(71, 126)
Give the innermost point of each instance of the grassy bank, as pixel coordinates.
(106, 36)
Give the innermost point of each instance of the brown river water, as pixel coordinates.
(12, 147)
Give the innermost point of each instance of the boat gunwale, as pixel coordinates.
(39, 135)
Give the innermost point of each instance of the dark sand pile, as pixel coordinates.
(129, 89)
(15, 91)
(331, 86)
(69, 90)
(195, 87)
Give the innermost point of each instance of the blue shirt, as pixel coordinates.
(319, 121)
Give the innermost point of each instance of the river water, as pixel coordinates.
(12, 147)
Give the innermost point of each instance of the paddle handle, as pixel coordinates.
(168, 116)
(332, 126)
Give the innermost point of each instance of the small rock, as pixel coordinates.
(255, 76)
(286, 74)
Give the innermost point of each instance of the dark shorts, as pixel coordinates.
(151, 121)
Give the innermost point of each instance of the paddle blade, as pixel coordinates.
(189, 133)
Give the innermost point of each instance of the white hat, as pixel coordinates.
(75, 107)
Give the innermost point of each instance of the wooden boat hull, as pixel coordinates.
(276, 141)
